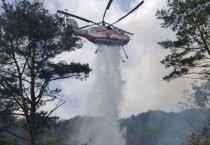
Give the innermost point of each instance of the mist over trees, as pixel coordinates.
(190, 54)
(30, 38)
(148, 128)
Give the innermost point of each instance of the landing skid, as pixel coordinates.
(124, 54)
(97, 49)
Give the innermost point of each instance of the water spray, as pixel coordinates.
(104, 105)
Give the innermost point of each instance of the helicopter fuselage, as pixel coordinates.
(99, 34)
(102, 35)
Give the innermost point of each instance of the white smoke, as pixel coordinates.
(104, 102)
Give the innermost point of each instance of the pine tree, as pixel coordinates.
(190, 52)
(30, 38)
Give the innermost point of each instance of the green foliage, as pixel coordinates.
(190, 52)
(160, 128)
(65, 131)
(30, 39)
(149, 128)
(199, 98)
(49, 141)
(196, 139)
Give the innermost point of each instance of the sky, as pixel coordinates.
(143, 88)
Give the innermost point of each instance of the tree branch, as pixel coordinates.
(11, 133)
(12, 74)
(19, 114)
(56, 107)
(7, 141)
(204, 41)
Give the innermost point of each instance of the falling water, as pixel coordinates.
(106, 96)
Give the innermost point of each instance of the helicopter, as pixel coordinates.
(101, 32)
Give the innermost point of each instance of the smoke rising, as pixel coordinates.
(104, 102)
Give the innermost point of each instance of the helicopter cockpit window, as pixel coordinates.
(79, 31)
(85, 31)
(92, 31)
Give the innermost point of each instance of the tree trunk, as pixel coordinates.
(31, 130)
(32, 125)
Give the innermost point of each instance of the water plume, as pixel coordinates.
(104, 103)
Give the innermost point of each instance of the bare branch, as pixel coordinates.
(56, 107)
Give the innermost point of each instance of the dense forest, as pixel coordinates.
(149, 128)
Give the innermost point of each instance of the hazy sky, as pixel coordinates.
(144, 88)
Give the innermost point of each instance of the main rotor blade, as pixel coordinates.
(129, 12)
(86, 26)
(107, 7)
(68, 14)
(120, 29)
(90, 25)
(123, 30)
